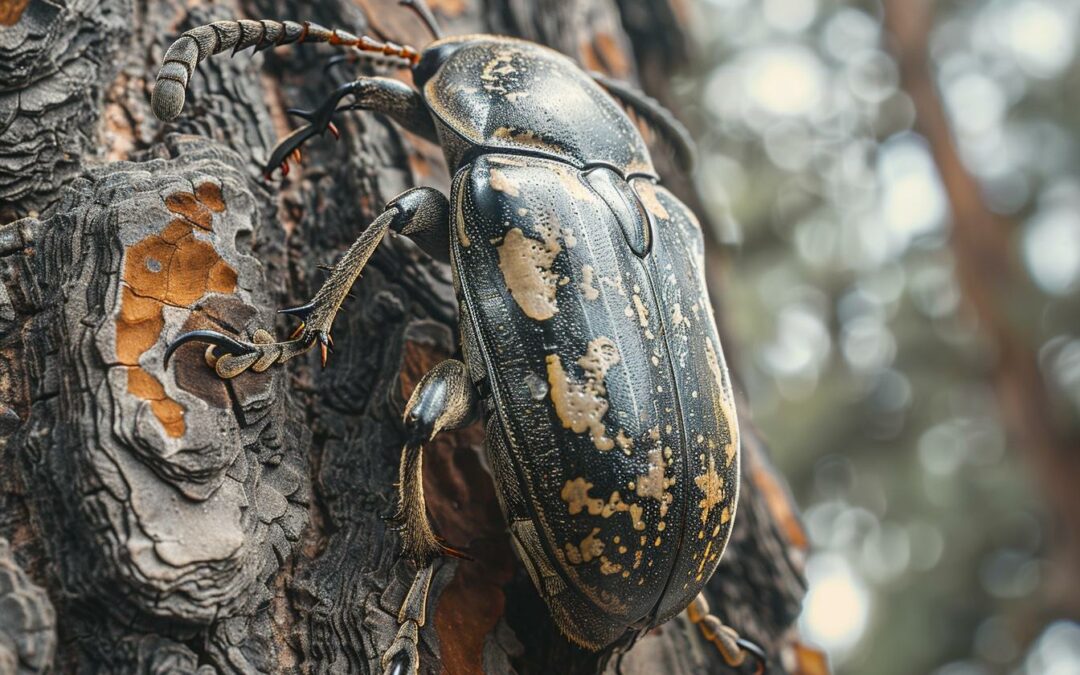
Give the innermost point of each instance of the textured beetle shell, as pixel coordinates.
(613, 434)
(507, 94)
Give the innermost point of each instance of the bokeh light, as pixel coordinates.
(864, 365)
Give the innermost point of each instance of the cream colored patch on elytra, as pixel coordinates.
(591, 292)
(503, 183)
(677, 317)
(712, 488)
(589, 548)
(576, 495)
(643, 315)
(609, 567)
(581, 406)
(646, 191)
(571, 181)
(526, 267)
(460, 198)
(654, 483)
(723, 400)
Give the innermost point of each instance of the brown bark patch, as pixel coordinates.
(168, 268)
(11, 10)
(466, 513)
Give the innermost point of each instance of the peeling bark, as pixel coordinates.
(187, 525)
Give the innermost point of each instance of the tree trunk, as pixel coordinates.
(166, 521)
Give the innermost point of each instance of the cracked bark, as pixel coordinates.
(185, 525)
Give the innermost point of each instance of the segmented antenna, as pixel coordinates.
(194, 46)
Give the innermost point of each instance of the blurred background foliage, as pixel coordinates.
(904, 257)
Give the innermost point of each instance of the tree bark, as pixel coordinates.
(166, 521)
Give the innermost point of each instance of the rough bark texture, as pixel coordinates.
(183, 524)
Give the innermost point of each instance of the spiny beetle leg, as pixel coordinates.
(316, 317)
(445, 398)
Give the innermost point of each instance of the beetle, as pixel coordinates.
(588, 342)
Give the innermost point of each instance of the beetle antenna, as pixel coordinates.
(425, 14)
(198, 43)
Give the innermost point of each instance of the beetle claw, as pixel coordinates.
(287, 146)
(323, 348)
(453, 552)
(337, 59)
(303, 312)
(213, 338)
(761, 663)
(399, 665)
(305, 115)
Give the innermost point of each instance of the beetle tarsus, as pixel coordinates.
(402, 658)
(733, 648)
(229, 356)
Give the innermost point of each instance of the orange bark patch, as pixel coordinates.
(11, 10)
(193, 208)
(169, 412)
(809, 661)
(465, 512)
(168, 268)
(780, 505)
(210, 194)
(448, 8)
(605, 55)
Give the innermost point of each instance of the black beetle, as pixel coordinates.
(587, 333)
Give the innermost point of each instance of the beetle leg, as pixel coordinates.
(414, 212)
(384, 95)
(424, 12)
(733, 649)
(444, 399)
(402, 658)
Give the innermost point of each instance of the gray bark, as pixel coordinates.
(182, 524)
